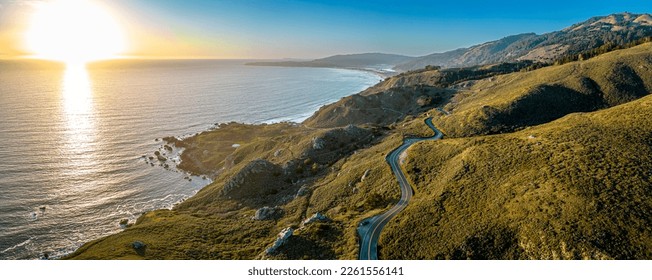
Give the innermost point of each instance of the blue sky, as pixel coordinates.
(310, 29)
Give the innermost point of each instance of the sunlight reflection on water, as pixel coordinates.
(77, 100)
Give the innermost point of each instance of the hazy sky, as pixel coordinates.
(310, 29)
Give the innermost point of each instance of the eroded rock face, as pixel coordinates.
(283, 236)
(268, 213)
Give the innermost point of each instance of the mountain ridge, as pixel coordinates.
(620, 28)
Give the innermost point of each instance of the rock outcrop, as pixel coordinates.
(314, 218)
(282, 238)
(268, 213)
(318, 143)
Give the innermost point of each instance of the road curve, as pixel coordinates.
(370, 228)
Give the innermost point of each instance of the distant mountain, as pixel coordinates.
(617, 28)
(365, 60)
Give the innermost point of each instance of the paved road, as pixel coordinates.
(370, 229)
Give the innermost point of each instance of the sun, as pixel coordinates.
(73, 31)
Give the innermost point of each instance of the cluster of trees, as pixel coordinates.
(605, 48)
(450, 76)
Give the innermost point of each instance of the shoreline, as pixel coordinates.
(296, 119)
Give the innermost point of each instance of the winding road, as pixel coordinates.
(370, 228)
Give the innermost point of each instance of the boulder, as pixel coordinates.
(139, 247)
(283, 236)
(318, 143)
(314, 218)
(268, 213)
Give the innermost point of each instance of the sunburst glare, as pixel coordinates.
(73, 31)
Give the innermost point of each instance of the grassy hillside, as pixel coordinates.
(578, 187)
(509, 102)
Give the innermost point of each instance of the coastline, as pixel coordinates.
(178, 152)
(296, 120)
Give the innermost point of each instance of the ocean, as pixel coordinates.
(72, 137)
